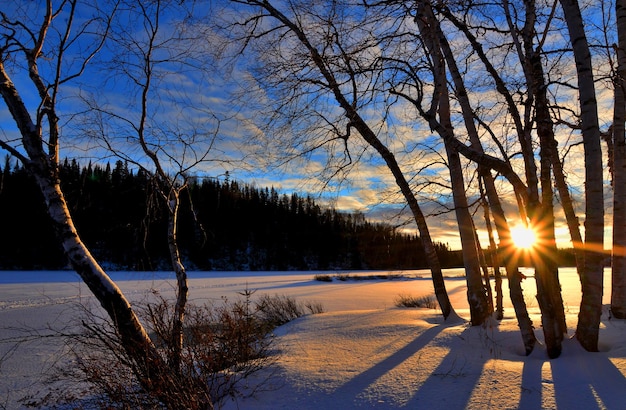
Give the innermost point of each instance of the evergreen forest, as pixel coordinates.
(224, 225)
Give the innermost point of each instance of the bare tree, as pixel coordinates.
(529, 45)
(25, 43)
(439, 117)
(171, 145)
(28, 40)
(506, 245)
(507, 248)
(538, 208)
(321, 67)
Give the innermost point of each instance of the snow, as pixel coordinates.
(362, 353)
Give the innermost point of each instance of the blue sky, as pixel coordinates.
(213, 108)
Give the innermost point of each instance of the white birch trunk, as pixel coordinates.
(592, 276)
(476, 292)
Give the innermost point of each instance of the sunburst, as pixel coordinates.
(523, 237)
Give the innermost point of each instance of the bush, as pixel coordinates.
(410, 301)
(222, 346)
(277, 310)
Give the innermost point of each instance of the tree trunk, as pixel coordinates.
(182, 289)
(618, 266)
(151, 370)
(592, 277)
(485, 270)
(495, 261)
(506, 249)
(509, 254)
(542, 218)
(573, 224)
(429, 247)
(476, 296)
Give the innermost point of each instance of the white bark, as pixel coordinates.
(592, 276)
(476, 295)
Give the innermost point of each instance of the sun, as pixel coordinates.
(523, 237)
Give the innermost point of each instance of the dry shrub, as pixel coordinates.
(323, 277)
(222, 346)
(274, 311)
(410, 301)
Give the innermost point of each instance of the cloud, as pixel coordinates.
(197, 100)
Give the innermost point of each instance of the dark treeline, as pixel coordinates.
(235, 227)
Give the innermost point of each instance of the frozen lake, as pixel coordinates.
(35, 301)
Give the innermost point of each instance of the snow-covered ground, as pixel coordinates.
(362, 353)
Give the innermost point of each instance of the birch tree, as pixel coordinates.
(506, 245)
(540, 208)
(529, 45)
(171, 146)
(42, 44)
(312, 64)
(538, 204)
(588, 326)
(36, 45)
(429, 28)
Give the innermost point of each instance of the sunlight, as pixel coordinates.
(524, 237)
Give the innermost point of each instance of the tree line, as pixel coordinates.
(224, 225)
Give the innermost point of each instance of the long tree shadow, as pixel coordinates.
(599, 385)
(532, 383)
(359, 384)
(457, 374)
(578, 379)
